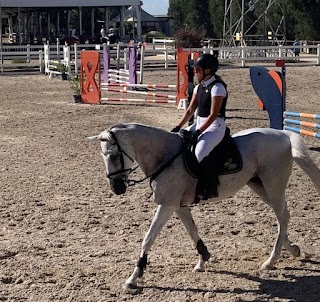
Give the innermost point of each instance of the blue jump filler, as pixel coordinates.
(270, 88)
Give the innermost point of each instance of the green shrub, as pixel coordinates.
(75, 84)
(153, 34)
(60, 67)
(186, 38)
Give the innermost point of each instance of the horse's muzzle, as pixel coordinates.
(118, 186)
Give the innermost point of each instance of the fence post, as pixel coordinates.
(76, 61)
(118, 55)
(243, 55)
(58, 49)
(141, 63)
(28, 53)
(40, 60)
(280, 51)
(125, 58)
(318, 54)
(166, 64)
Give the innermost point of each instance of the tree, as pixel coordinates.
(192, 15)
(216, 11)
(207, 17)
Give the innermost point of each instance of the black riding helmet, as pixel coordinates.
(207, 61)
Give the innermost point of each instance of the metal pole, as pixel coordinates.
(1, 44)
(242, 24)
(80, 20)
(92, 23)
(265, 34)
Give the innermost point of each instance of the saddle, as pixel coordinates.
(225, 157)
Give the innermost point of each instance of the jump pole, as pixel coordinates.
(288, 122)
(159, 95)
(155, 101)
(270, 86)
(91, 77)
(132, 73)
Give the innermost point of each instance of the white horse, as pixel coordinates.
(267, 157)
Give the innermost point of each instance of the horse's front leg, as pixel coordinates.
(185, 216)
(161, 217)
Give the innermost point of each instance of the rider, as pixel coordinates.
(74, 33)
(210, 97)
(103, 32)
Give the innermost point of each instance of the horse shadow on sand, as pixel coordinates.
(317, 149)
(294, 288)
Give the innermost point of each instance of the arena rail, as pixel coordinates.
(22, 56)
(166, 56)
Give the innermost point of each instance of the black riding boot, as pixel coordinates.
(208, 181)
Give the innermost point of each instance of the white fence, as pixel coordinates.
(20, 56)
(155, 55)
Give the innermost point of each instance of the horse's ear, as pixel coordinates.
(93, 138)
(104, 136)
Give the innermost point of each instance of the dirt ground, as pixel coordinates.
(64, 236)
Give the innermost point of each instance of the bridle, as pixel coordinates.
(123, 170)
(131, 182)
(121, 153)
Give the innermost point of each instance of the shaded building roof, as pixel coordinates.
(130, 15)
(67, 3)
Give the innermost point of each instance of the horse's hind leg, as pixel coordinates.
(279, 205)
(185, 216)
(161, 217)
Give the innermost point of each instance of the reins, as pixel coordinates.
(153, 176)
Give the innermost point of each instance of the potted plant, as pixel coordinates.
(63, 70)
(75, 84)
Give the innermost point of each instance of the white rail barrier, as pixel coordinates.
(153, 55)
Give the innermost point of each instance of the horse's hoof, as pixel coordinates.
(267, 266)
(198, 270)
(295, 251)
(131, 288)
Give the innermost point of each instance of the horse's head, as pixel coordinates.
(118, 161)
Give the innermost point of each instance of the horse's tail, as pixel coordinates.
(302, 158)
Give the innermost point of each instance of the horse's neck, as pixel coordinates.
(153, 148)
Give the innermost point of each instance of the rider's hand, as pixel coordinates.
(195, 136)
(176, 129)
(191, 137)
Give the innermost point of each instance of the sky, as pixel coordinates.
(155, 7)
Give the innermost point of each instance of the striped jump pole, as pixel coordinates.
(156, 101)
(159, 86)
(119, 76)
(301, 114)
(287, 122)
(159, 95)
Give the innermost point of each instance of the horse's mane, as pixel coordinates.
(136, 125)
(152, 133)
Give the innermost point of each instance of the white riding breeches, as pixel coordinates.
(210, 138)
